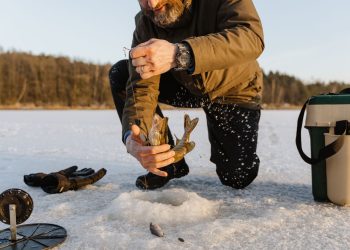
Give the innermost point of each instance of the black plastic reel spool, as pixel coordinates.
(31, 236)
(23, 202)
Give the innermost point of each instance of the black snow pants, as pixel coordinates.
(232, 130)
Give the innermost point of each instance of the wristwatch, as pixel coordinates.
(183, 57)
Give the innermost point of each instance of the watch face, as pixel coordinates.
(183, 57)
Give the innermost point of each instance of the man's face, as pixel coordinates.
(163, 13)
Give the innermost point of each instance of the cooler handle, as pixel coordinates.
(345, 91)
(326, 152)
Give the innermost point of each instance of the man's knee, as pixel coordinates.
(118, 76)
(238, 176)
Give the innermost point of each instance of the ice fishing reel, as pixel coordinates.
(16, 207)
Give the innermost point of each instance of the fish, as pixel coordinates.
(158, 135)
(184, 145)
(156, 230)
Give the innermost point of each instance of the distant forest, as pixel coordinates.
(48, 81)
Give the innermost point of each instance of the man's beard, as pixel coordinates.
(174, 9)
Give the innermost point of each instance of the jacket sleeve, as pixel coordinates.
(239, 38)
(141, 96)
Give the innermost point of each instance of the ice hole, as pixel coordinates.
(170, 198)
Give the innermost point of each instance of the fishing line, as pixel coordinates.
(137, 121)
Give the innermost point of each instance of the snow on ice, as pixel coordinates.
(277, 211)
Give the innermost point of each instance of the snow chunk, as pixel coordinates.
(173, 206)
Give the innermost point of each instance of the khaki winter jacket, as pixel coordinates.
(226, 38)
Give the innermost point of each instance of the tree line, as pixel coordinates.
(46, 81)
(280, 89)
(52, 81)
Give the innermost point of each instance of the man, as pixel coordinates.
(193, 53)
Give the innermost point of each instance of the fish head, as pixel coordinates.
(158, 134)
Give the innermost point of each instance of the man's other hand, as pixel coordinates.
(151, 157)
(153, 57)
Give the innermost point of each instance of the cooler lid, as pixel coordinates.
(325, 110)
(329, 99)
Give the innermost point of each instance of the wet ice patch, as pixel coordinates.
(172, 206)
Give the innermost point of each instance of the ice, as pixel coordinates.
(276, 211)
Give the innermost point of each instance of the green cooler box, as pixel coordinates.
(322, 113)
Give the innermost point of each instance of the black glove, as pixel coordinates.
(64, 180)
(58, 182)
(35, 180)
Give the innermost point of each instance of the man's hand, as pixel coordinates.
(153, 57)
(150, 157)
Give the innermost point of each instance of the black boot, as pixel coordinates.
(151, 181)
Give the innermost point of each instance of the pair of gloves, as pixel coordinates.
(67, 179)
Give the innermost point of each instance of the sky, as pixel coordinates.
(308, 39)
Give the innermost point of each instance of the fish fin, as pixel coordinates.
(166, 130)
(157, 122)
(163, 130)
(190, 146)
(186, 120)
(177, 140)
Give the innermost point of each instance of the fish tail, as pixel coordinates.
(190, 124)
(177, 140)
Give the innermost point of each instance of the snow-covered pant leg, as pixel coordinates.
(118, 76)
(233, 135)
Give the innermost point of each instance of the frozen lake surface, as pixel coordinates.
(277, 211)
